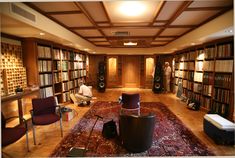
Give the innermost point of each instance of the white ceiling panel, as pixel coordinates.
(198, 16)
(169, 9)
(174, 31)
(56, 6)
(88, 33)
(73, 20)
(211, 3)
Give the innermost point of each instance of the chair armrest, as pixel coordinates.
(59, 106)
(26, 126)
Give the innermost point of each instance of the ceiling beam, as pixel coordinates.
(175, 15)
(106, 13)
(63, 12)
(83, 9)
(162, 3)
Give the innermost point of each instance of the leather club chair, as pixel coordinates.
(130, 102)
(44, 113)
(136, 131)
(11, 135)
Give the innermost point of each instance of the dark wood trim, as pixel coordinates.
(86, 13)
(158, 12)
(175, 15)
(63, 12)
(11, 36)
(106, 13)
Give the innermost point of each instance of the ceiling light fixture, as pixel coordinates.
(41, 33)
(130, 43)
(86, 49)
(132, 8)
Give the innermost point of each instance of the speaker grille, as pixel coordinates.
(20, 11)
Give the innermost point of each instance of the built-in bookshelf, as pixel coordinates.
(58, 68)
(207, 75)
(13, 73)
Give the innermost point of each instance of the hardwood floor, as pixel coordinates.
(49, 136)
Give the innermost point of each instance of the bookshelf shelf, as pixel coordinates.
(208, 75)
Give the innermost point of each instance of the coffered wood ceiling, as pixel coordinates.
(165, 21)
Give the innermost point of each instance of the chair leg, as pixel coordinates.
(27, 140)
(61, 127)
(34, 137)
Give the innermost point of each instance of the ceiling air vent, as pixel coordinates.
(121, 33)
(22, 12)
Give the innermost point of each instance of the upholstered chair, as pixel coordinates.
(11, 135)
(44, 113)
(130, 102)
(136, 131)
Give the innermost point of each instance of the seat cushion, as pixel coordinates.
(220, 122)
(10, 135)
(45, 119)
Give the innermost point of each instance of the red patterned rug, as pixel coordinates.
(171, 137)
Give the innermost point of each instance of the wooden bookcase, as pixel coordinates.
(206, 72)
(55, 68)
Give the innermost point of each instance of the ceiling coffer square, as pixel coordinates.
(121, 33)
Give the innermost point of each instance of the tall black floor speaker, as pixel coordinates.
(101, 81)
(158, 78)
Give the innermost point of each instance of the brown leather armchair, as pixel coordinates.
(136, 131)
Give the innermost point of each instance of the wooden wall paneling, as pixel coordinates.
(29, 47)
(131, 71)
(112, 71)
(149, 64)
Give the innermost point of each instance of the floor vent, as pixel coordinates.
(22, 12)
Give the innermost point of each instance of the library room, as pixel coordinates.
(117, 78)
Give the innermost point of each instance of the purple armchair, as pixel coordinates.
(11, 135)
(130, 102)
(44, 113)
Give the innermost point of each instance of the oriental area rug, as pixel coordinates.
(171, 137)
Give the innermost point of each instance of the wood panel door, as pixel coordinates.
(131, 72)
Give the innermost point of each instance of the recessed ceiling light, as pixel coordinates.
(229, 31)
(86, 49)
(132, 8)
(41, 33)
(193, 44)
(93, 52)
(130, 43)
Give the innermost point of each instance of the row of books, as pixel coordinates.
(185, 65)
(206, 102)
(44, 52)
(224, 50)
(190, 85)
(197, 87)
(222, 95)
(224, 66)
(45, 79)
(199, 66)
(207, 90)
(46, 92)
(44, 66)
(194, 96)
(200, 54)
(208, 65)
(198, 76)
(220, 108)
(223, 80)
(209, 53)
(66, 97)
(208, 78)
(56, 54)
(76, 65)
